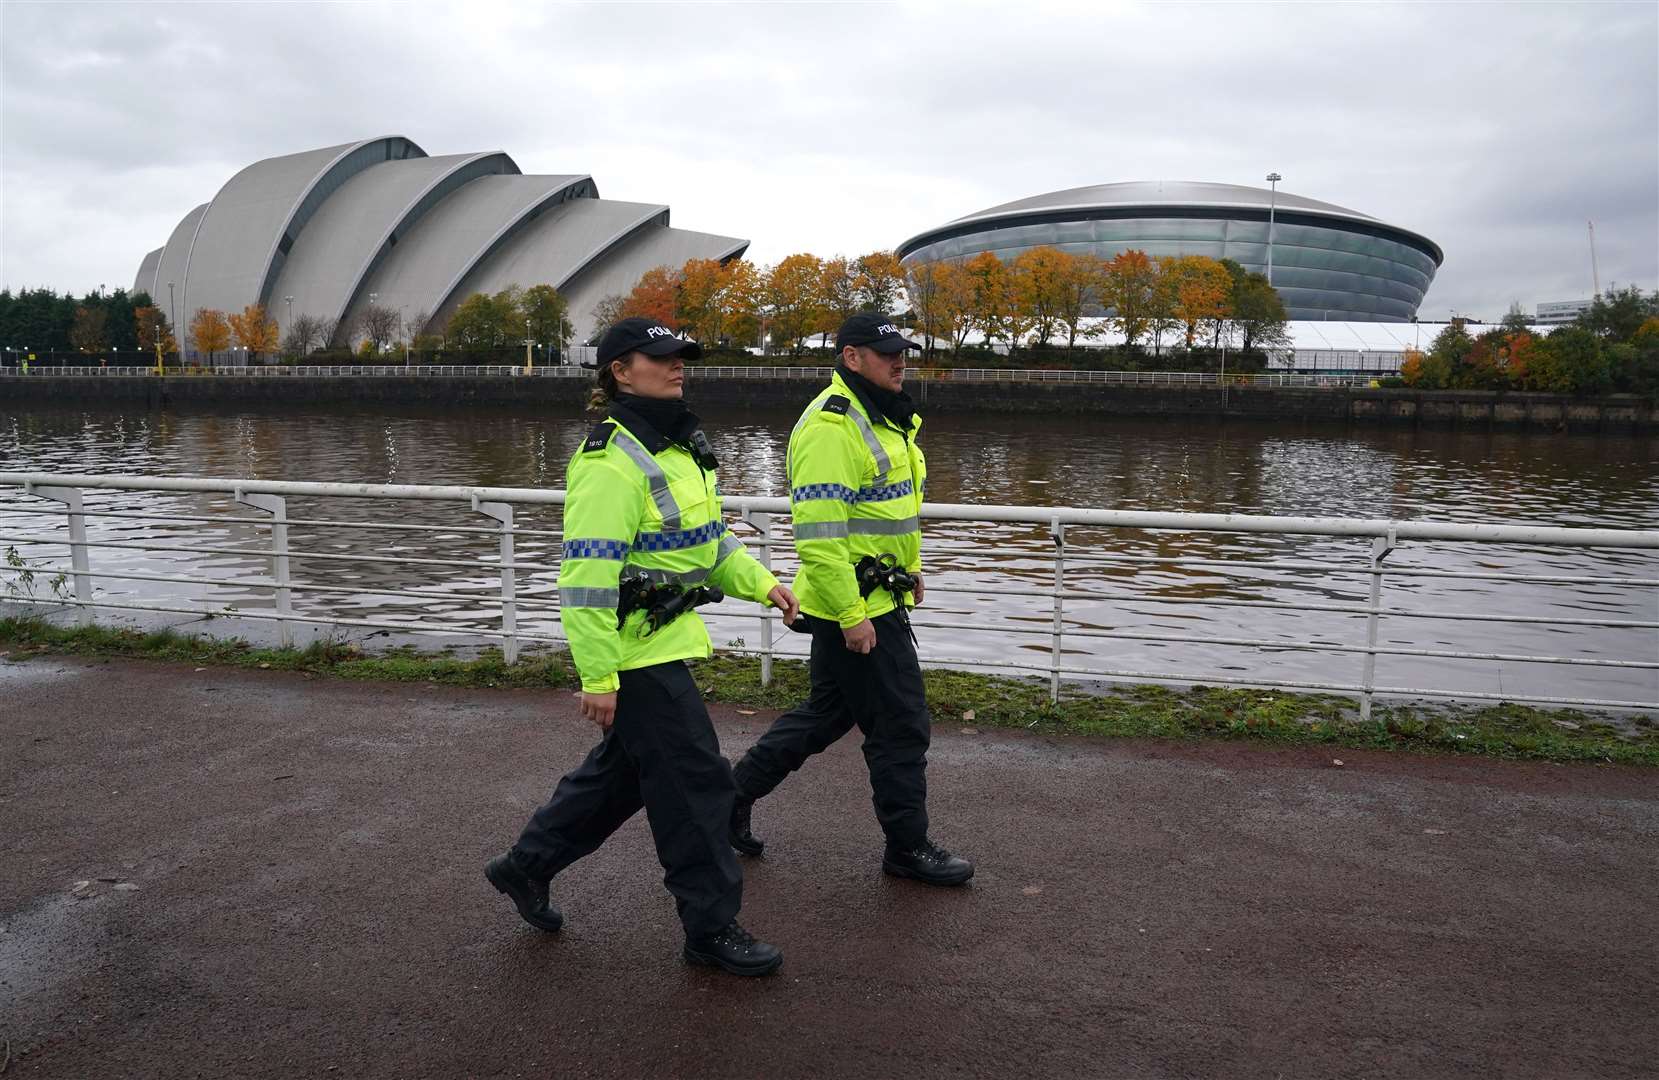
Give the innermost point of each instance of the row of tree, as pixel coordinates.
(1038, 298)
(1613, 347)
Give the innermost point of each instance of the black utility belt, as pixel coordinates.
(662, 601)
(883, 573)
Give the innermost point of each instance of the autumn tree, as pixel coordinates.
(923, 284)
(743, 300)
(793, 301)
(838, 292)
(1128, 291)
(1079, 289)
(656, 296)
(89, 333)
(254, 330)
(1200, 288)
(548, 314)
(209, 331)
(879, 280)
(1039, 278)
(995, 304)
(702, 302)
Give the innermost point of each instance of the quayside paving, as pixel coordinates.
(282, 879)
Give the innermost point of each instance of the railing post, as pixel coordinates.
(1058, 531)
(78, 563)
(503, 513)
(1381, 546)
(763, 522)
(277, 507)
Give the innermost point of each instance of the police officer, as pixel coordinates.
(642, 530)
(855, 490)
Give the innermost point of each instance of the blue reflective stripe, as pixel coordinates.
(883, 493)
(672, 541)
(841, 493)
(837, 492)
(596, 549)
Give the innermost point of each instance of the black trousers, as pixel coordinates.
(882, 694)
(661, 753)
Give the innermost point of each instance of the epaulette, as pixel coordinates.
(837, 403)
(599, 437)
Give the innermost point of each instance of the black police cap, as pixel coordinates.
(874, 331)
(646, 335)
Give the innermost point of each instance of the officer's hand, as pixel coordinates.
(916, 593)
(784, 600)
(860, 638)
(599, 709)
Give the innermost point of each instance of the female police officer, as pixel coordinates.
(643, 544)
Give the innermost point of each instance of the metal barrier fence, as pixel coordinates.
(740, 371)
(498, 599)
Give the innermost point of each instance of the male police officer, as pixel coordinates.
(855, 489)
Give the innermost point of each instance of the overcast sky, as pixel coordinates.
(1495, 130)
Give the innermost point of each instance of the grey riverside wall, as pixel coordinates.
(1620, 413)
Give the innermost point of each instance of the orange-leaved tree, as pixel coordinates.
(994, 307)
(702, 301)
(880, 279)
(656, 296)
(838, 292)
(254, 330)
(209, 331)
(793, 300)
(1201, 288)
(1128, 287)
(1039, 277)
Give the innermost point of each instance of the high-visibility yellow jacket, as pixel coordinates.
(855, 489)
(637, 502)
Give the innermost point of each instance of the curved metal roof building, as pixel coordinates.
(381, 218)
(1328, 262)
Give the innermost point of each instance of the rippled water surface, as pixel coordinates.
(978, 571)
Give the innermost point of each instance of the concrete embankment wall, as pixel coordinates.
(1443, 408)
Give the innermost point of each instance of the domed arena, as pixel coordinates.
(1327, 262)
(326, 233)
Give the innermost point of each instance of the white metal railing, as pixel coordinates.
(505, 591)
(715, 371)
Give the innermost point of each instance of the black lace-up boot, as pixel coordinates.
(528, 894)
(746, 842)
(735, 950)
(927, 862)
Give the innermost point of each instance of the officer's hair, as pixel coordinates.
(606, 391)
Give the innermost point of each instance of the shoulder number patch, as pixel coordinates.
(599, 437)
(836, 403)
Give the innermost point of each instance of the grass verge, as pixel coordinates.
(956, 697)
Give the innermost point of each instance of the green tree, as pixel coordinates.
(1572, 360)
(1616, 315)
(549, 315)
(1259, 314)
(485, 322)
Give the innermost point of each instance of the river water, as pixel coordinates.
(1252, 468)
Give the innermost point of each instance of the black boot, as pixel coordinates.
(927, 862)
(528, 894)
(735, 950)
(746, 842)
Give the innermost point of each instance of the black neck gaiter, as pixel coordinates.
(895, 405)
(670, 416)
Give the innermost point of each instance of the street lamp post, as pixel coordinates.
(172, 308)
(529, 360)
(1273, 179)
(290, 301)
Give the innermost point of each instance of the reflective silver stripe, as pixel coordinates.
(729, 545)
(883, 465)
(666, 506)
(796, 430)
(659, 577)
(879, 527)
(820, 530)
(572, 596)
